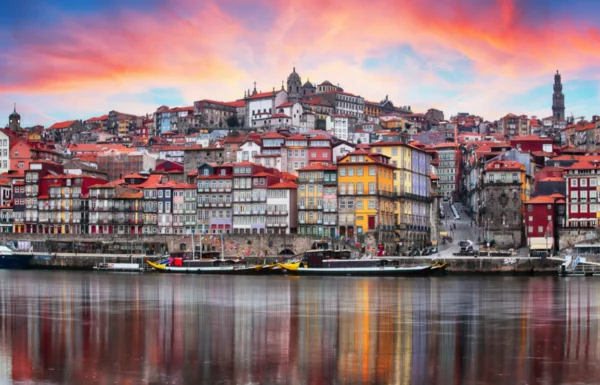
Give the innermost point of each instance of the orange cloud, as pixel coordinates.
(207, 51)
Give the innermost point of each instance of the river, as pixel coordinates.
(103, 328)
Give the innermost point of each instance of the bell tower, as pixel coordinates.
(558, 99)
(14, 121)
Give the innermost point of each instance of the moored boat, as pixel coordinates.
(14, 259)
(324, 262)
(207, 266)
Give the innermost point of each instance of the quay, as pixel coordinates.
(455, 265)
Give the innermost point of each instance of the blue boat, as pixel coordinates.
(14, 259)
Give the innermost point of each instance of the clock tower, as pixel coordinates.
(14, 121)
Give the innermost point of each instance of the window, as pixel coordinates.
(592, 209)
(313, 154)
(574, 209)
(371, 203)
(167, 193)
(371, 188)
(359, 171)
(491, 178)
(584, 209)
(160, 193)
(583, 182)
(342, 171)
(540, 229)
(372, 170)
(359, 204)
(530, 208)
(350, 171)
(530, 218)
(593, 182)
(573, 182)
(573, 195)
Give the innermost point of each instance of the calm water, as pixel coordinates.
(96, 328)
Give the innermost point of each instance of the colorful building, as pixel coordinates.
(365, 194)
(412, 189)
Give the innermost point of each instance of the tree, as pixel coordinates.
(232, 121)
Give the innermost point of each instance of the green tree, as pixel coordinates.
(232, 121)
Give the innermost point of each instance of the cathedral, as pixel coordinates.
(296, 90)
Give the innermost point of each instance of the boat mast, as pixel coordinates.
(200, 244)
(193, 248)
(222, 248)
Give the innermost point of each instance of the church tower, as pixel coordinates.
(558, 99)
(14, 121)
(294, 87)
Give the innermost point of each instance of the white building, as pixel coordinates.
(272, 160)
(360, 137)
(282, 213)
(4, 150)
(341, 150)
(247, 152)
(338, 125)
(261, 105)
(294, 111)
(308, 122)
(269, 122)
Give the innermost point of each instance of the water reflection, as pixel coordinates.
(89, 328)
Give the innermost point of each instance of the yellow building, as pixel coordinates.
(124, 127)
(412, 191)
(372, 109)
(365, 193)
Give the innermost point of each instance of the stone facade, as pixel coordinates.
(502, 217)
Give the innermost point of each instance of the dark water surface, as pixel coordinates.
(102, 328)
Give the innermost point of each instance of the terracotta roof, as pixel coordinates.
(433, 177)
(288, 104)
(130, 195)
(552, 179)
(288, 176)
(545, 199)
(272, 135)
(503, 165)
(317, 166)
(235, 139)
(237, 103)
(585, 165)
(284, 185)
(262, 95)
(135, 176)
(61, 125)
(262, 174)
(320, 137)
(280, 116)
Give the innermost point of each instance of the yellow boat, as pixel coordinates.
(294, 266)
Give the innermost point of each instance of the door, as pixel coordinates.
(371, 222)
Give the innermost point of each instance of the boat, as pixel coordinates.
(11, 258)
(207, 266)
(329, 262)
(119, 267)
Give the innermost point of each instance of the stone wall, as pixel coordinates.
(569, 237)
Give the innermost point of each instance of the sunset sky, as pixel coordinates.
(73, 59)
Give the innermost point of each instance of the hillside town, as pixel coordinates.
(308, 159)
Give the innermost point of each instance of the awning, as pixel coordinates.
(540, 243)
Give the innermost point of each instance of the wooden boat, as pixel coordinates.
(119, 267)
(207, 266)
(323, 262)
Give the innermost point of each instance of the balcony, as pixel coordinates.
(302, 221)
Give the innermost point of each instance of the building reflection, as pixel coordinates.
(93, 328)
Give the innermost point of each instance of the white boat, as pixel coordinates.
(118, 267)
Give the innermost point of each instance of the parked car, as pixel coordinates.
(442, 215)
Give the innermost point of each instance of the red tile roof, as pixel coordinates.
(503, 165)
(61, 125)
(317, 167)
(296, 137)
(280, 116)
(321, 137)
(272, 135)
(262, 95)
(284, 185)
(288, 104)
(545, 199)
